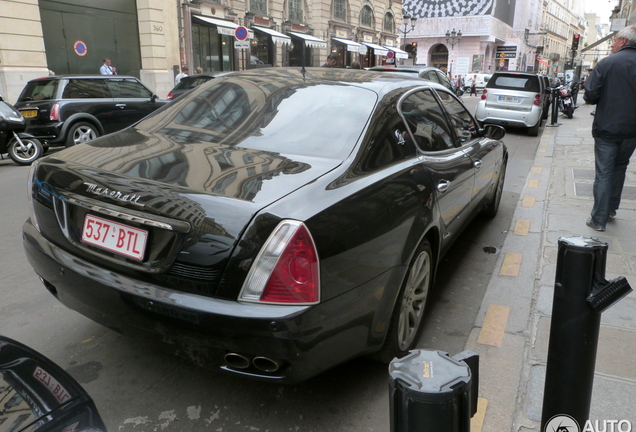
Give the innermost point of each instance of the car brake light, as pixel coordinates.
(170, 96)
(55, 112)
(286, 270)
(483, 94)
(537, 99)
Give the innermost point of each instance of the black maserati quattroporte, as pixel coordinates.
(271, 223)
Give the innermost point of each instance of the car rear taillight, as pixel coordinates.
(537, 99)
(55, 113)
(286, 270)
(170, 96)
(483, 94)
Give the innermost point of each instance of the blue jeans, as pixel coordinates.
(612, 157)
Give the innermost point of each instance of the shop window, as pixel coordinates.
(258, 6)
(388, 23)
(366, 17)
(340, 10)
(295, 10)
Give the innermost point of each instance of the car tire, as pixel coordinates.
(80, 133)
(546, 113)
(409, 311)
(534, 130)
(492, 207)
(569, 112)
(25, 155)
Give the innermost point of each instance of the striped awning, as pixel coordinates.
(351, 45)
(401, 54)
(277, 37)
(310, 41)
(377, 49)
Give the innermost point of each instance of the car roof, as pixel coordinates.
(79, 76)
(377, 82)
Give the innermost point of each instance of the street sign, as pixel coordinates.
(80, 48)
(241, 33)
(503, 55)
(241, 44)
(390, 55)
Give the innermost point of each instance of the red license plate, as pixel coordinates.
(119, 238)
(51, 383)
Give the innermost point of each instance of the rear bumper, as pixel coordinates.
(305, 339)
(506, 117)
(52, 133)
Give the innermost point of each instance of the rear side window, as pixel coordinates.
(39, 90)
(515, 82)
(191, 82)
(85, 89)
(426, 122)
(127, 88)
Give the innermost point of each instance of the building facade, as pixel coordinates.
(496, 34)
(153, 39)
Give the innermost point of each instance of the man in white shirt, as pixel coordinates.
(184, 73)
(107, 69)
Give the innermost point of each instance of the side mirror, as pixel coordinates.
(154, 98)
(494, 131)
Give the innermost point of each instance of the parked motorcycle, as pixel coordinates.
(21, 147)
(567, 96)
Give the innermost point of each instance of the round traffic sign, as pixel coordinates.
(80, 48)
(241, 33)
(390, 55)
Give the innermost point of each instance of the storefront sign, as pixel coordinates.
(506, 48)
(506, 55)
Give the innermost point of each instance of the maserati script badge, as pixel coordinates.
(129, 198)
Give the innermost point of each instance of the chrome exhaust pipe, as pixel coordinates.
(237, 361)
(266, 364)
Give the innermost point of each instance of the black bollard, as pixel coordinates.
(555, 108)
(581, 293)
(433, 392)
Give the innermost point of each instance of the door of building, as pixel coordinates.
(79, 34)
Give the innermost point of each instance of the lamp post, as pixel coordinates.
(405, 20)
(453, 38)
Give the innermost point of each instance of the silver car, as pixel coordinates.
(513, 99)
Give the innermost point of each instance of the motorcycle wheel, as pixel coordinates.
(569, 112)
(25, 155)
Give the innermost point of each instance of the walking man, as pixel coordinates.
(612, 88)
(183, 74)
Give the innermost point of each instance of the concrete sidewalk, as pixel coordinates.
(511, 332)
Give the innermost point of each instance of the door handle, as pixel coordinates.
(122, 106)
(477, 164)
(443, 186)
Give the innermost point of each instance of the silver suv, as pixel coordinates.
(513, 99)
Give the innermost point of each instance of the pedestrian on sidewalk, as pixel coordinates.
(612, 88)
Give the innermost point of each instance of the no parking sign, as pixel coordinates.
(241, 34)
(80, 48)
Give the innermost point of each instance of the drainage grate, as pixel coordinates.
(585, 190)
(583, 174)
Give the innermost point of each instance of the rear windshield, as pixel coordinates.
(188, 83)
(300, 118)
(39, 90)
(515, 82)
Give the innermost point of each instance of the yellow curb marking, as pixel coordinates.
(544, 143)
(477, 422)
(533, 184)
(537, 170)
(528, 201)
(522, 227)
(511, 264)
(541, 150)
(492, 332)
